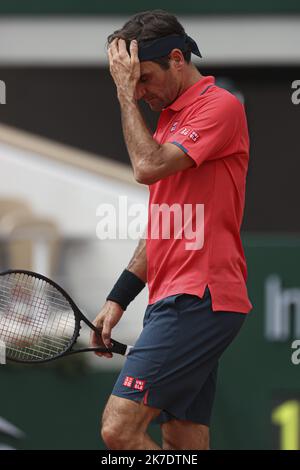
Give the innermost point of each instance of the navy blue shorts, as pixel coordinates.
(173, 365)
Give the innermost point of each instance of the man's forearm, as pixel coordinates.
(144, 151)
(138, 263)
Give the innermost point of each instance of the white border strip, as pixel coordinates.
(96, 164)
(81, 41)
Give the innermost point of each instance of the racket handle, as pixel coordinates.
(119, 348)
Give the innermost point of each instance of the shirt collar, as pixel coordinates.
(192, 93)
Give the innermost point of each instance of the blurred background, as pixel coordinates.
(62, 155)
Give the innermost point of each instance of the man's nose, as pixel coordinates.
(139, 92)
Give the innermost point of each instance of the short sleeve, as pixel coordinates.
(212, 131)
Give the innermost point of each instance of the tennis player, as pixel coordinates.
(195, 165)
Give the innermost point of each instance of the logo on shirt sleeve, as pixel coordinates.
(185, 131)
(194, 136)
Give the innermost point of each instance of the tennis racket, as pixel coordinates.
(39, 322)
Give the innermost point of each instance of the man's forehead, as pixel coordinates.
(148, 66)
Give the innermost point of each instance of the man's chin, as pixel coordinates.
(155, 106)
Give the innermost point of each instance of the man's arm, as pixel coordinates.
(150, 160)
(111, 312)
(138, 262)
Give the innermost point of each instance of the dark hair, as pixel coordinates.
(151, 24)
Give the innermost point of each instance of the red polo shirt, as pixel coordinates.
(196, 242)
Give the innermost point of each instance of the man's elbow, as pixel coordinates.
(144, 176)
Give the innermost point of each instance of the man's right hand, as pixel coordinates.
(105, 321)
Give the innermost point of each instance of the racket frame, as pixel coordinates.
(117, 347)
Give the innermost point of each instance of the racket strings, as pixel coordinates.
(36, 320)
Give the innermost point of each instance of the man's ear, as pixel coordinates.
(177, 56)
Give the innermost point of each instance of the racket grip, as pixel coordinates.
(119, 348)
